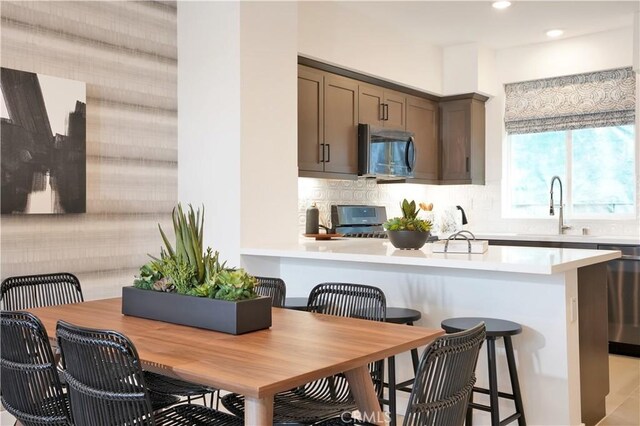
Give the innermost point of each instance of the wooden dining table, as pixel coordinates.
(298, 348)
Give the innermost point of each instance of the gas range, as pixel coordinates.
(359, 221)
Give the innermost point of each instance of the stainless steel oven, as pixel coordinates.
(623, 280)
(358, 221)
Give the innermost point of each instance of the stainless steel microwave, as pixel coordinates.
(385, 153)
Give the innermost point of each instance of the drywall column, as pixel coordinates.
(209, 119)
(269, 173)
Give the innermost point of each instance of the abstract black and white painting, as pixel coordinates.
(43, 144)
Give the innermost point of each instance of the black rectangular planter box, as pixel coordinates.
(220, 315)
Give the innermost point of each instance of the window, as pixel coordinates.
(580, 128)
(596, 166)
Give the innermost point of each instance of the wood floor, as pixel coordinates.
(623, 401)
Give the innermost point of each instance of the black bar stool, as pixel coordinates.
(496, 328)
(296, 303)
(408, 317)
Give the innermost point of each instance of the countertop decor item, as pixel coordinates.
(461, 242)
(189, 286)
(408, 232)
(323, 236)
(312, 221)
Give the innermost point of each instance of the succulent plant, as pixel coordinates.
(164, 284)
(409, 220)
(185, 268)
(409, 209)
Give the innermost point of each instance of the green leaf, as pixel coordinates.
(166, 242)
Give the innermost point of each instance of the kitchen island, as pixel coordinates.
(557, 295)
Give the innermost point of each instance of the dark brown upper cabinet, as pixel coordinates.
(462, 139)
(422, 121)
(449, 131)
(327, 124)
(382, 108)
(310, 119)
(340, 125)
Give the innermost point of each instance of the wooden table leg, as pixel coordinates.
(365, 395)
(258, 411)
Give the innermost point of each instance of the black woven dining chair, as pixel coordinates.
(274, 288)
(328, 397)
(107, 386)
(443, 384)
(30, 386)
(35, 291)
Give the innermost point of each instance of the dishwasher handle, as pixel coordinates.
(629, 257)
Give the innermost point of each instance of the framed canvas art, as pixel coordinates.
(43, 144)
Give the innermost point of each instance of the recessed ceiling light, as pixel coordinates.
(501, 4)
(554, 33)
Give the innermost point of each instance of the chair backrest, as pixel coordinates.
(34, 291)
(104, 377)
(31, 388)
(349, 300)
(445, 379)
(274, 288)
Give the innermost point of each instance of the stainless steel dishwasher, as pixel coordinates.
(623, 280)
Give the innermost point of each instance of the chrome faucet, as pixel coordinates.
(561, 226)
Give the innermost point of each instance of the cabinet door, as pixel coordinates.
(310, 119)
(395, 110)
(422, 121)
(455, 135)
(370, 108)
(340, 124)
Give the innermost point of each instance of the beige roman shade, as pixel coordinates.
(596, 99)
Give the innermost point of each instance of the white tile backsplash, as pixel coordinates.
(482, 205)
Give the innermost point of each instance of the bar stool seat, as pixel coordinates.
(495, 329)
(403, 315)
(296, 303)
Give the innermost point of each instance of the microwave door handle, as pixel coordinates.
(410, 144)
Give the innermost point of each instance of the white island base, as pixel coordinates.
(557, 295)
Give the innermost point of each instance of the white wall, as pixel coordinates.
(337, 33)
(209, 119)
(269, 127)
(460, 69)
(237, 126)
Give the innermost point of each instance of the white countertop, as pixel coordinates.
(531, 260)
(585, 239)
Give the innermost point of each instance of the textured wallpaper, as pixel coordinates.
(126, 53)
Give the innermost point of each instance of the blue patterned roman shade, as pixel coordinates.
(596, 99)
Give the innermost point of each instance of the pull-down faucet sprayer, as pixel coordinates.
(561, 226)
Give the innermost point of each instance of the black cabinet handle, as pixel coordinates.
(467, 164)
(381, 112)
(328, 152)
(386, 112)
(322, 153)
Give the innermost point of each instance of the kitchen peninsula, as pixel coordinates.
(557, 295)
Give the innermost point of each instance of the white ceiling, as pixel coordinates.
(447, 23)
